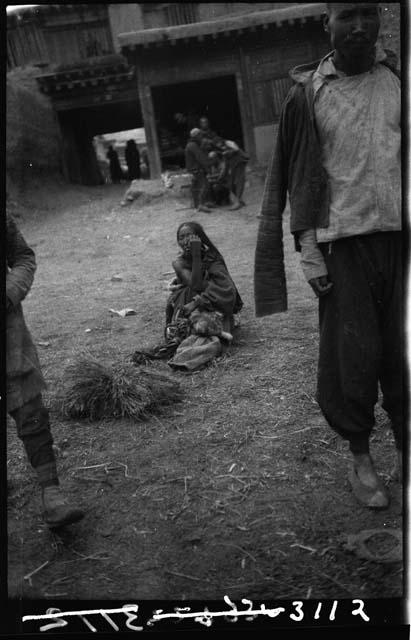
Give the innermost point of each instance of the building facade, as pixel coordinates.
(232, 67)
(161, 66)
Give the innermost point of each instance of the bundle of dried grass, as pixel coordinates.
(94, 390)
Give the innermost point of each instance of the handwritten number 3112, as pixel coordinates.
(299, 614)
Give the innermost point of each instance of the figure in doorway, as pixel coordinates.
(115, 168)
(133, 160)
(207, 132)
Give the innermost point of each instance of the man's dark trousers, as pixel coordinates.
(361, 336)
(33, 428)
(198, 187)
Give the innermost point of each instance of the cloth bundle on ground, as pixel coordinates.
(206, 341)
(195, 352)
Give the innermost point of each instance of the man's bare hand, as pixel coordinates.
(321, 286)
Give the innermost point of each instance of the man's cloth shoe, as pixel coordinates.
(372, 498)
(56, 510)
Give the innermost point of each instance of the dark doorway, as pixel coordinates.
(215, 98)
(78, 128)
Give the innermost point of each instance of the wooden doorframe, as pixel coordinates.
(149, 121)
(243, 96)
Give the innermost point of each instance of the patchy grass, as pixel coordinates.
(238, 490)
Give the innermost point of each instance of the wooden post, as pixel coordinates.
(149, 121)
(243, 91)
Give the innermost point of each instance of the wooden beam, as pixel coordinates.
(244, 103)
(147, 109)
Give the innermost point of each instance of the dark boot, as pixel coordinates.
(57, 512)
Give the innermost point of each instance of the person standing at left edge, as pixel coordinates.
(25, 383)
(338, 156)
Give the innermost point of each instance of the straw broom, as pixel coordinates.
(93, 390)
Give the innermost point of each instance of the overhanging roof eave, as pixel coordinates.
(145, 37)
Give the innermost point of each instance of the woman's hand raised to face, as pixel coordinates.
(188, 240)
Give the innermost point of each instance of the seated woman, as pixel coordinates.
(202, 304)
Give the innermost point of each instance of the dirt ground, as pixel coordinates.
(241, 489)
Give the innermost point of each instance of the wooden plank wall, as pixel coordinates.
(174, 67)
(26, 45)
(268, 72)
(72, 44)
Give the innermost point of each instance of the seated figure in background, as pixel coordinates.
(197, 163)
(217, 178)
(207, 132)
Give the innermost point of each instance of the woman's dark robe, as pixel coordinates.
(133, 161)
(218, 293)
(115, 168)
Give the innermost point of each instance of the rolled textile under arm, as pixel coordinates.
(270, 289)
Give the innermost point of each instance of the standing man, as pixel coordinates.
(236, 160)
(208, 133)
(116, 172)
(338, 156)
(25, 383)
(197, 163)
(132, 156)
